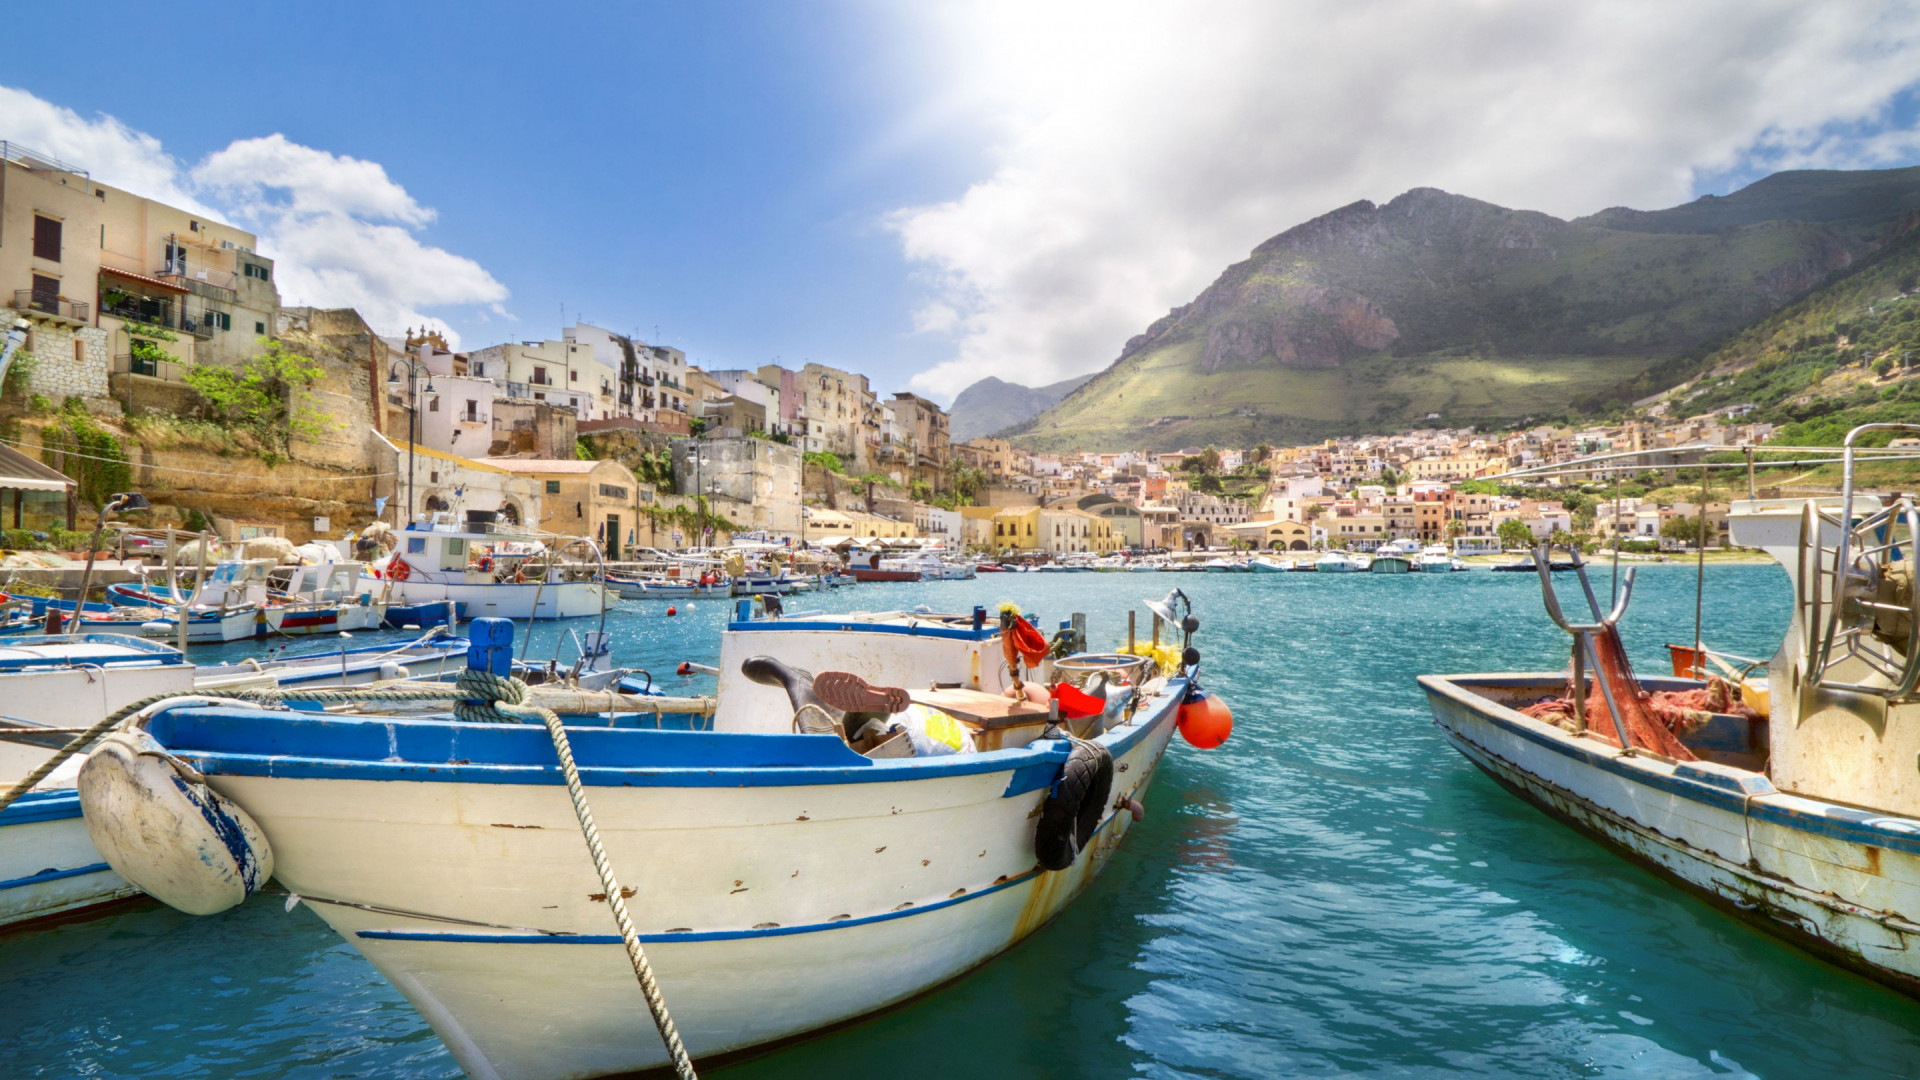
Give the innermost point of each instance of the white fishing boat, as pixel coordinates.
(1337, 562)
(1434, 559)
(930, 566)
(1804, 818)
(1269, 564)
(1390, 564)
(48, 866)
(788, 867)
(491, 570)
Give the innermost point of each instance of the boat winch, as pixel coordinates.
(161, 827)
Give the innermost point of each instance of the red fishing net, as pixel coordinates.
(1653, 721)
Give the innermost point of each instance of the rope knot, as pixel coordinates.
(490, 699)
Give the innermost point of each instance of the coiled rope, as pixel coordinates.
(489, 698)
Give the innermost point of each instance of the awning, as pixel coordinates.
(427, 451)
(18, 472)
(150, 282)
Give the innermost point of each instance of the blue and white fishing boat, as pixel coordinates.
(491, 570)
(50, 686)
(1804, 818)
(788, 866)
(433, 655)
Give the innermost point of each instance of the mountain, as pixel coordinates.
(1435, 308)
(993, 404)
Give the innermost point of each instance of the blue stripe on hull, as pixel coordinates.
(52, 875)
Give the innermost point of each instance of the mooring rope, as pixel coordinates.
(485, 698)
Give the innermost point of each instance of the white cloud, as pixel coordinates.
(1139, 148)
(340, 230)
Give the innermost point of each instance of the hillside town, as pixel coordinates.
(151, 319)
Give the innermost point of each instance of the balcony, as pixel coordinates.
(164, 370)
(518, 390)
(197, 325)
(47, 304)
(147, 309)
(212, 284)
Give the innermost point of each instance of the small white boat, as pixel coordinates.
(48, 866)
(1435, 559)
(1390, 564)
(1337, 562)
(1268, 564)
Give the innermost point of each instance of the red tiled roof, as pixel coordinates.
(143, 279)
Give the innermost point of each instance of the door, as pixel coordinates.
(613, 536)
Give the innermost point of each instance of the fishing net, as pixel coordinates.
(1653, 721)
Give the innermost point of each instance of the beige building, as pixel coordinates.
(824, 523)
(596, 499)
(836, 413)
(92, 266)
(560, 373)
(754, 482)
(924, 427)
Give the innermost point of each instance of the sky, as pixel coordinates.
(925, 193)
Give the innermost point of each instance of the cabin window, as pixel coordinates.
(456, 546)
(416, 545)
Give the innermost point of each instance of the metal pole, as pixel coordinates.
(1700, 583)
(413, 413)
(1750, 489)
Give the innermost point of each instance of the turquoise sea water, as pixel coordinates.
(1334, 892)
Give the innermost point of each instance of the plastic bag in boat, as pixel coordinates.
(933, 733)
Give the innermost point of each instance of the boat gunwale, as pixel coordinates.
(1854, 825)
(1029, 768)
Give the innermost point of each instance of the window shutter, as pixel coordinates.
(46, 238)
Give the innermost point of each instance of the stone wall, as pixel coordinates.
(61, 371)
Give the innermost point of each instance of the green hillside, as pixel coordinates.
(1373, 317)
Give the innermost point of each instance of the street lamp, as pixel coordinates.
(414, 367)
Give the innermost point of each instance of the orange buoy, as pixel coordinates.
(671, 611)
(1205, 720)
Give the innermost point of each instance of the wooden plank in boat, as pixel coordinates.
(982, 709)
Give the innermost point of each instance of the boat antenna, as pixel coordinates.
(1615, 538)
(1700, 583)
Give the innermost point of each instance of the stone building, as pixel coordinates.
(755, 482)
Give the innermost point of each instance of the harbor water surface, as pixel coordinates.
(1333, 892)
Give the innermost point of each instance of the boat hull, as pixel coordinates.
(507, 600)
(767, 911)
(861, 573)
(48, 865)
(1841, 882)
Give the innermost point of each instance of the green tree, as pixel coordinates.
(1514, 533)
(1682, 527)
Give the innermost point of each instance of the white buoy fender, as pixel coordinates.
(161, 827)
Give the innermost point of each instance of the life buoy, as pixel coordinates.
(1073, 806)
(398, 569)
(162, 828)
(486, 564)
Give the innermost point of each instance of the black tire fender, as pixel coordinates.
(1074, 806)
